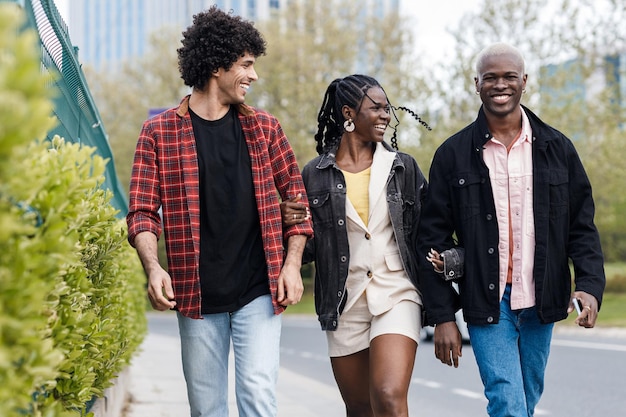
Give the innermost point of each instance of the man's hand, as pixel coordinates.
(448, 345)
(160, 290)
(290, 286)
(589, 312)
(293, 212)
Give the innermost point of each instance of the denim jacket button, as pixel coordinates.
(315, 201)
(492, 287)
(489, 319)
(491, 251)
(340, 222)
(343, 259)
(338, 293)
(340, 186)
(461, 181)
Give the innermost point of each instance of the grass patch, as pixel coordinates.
(305, 306)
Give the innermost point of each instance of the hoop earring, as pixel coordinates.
(348, 126)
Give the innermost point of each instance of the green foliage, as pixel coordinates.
(71, 288)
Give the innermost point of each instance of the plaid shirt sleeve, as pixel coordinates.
(144, 201)
(274, 168)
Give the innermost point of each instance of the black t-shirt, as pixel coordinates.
(233, 270)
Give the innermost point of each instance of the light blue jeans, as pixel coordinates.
(512, 357)
(205, 344)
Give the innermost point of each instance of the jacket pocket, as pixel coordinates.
(466, 189)
(559, 192)
(321, 209)
(393, 261)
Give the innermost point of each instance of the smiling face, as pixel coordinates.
(501, 82)
(233, 84)
(373, 116)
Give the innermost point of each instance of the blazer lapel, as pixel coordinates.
(381, 166)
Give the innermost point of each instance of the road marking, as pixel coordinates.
(589, 345)
(469, 394)
(426, 383)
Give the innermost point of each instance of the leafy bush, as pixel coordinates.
(71, 288)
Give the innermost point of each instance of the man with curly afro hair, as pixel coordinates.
(209, 173)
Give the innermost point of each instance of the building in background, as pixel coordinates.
(109, 32)
(609, 75)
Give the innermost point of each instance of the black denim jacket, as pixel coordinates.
(460, 209)
(329, 249)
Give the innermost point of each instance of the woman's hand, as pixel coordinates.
(293, 212)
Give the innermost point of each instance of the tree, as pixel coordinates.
(310, 43)
(124, 98)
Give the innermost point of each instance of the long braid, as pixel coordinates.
(415, 116)
(394, 138)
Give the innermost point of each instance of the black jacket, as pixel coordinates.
(460, 203)
(326, 190)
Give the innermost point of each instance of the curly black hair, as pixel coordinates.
(348, 91)
(215, 40)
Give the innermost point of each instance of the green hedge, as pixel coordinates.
(72, 298)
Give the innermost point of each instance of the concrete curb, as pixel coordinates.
(115, 398)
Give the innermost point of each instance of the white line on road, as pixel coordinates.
(589, 345)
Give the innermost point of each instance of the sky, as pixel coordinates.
(432, 18)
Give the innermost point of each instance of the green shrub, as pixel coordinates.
(71, 288)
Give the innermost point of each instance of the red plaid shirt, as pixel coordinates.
(165, 176)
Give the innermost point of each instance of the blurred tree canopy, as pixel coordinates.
(575, 51)
(311, 43)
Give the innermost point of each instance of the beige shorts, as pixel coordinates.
(357, 327)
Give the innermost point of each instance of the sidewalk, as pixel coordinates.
(156, 386)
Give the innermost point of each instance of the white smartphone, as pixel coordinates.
(577, 305)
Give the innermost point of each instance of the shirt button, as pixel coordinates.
(491, 251)
(367, 236)
(489, 217)
(492, 287)
(369, 274)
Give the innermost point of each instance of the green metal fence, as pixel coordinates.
(79, 120)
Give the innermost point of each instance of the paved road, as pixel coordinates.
(585, 376)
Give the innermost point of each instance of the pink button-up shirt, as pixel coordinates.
(511, 175)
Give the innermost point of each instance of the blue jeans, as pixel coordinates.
(512, 357)
(205, 344)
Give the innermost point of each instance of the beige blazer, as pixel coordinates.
(375, 265)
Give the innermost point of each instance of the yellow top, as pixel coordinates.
(357, 185)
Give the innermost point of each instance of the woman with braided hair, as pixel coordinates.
(365, 200)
